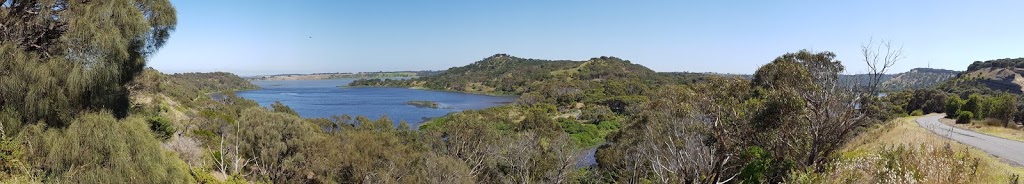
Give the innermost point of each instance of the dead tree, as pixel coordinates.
(880, 57)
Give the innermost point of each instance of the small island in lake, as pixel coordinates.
(423, 104)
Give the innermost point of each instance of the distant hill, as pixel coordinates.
(359, 75)
(211, 82)
(918, 78)
(574, 88)
(505, 74)
(861, 80)
(187, 86)
(693, 77)
(987, 77)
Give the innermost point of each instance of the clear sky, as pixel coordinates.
(251, 37)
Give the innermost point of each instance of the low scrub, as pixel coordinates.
(964, 117)
(918, 112)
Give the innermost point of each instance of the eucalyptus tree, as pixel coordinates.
(829, 114)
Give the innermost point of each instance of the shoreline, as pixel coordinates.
(428, 89)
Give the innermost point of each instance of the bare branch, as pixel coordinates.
(880, 57)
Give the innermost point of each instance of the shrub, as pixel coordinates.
(759, 165)
(609, 125)
(161, 126)
(918, 112)
(97, 148)
(953, 104)
(964, 117)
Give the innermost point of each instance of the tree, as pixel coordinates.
(1004, 107)
(538, 121)
(685, 134)
(535, 158)
(974, 105)
(879, 57)
(953, 105)
(927, 100)
(964, 117)
(467, 139)
(831, 115)
(65, 57)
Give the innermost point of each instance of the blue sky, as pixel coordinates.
(254, 37)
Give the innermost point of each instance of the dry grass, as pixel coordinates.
(902, 152)
(989, 127)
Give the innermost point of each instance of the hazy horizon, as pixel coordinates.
(666, 36)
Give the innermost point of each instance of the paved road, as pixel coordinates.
(1009, 150)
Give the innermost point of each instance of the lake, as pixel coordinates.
(324, 98)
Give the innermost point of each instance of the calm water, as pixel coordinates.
(323, 98)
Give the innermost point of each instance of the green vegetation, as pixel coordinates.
(953, 105)
(423, 104)
(925, 100)
(763, 126)
(65, 91)
(161, 126)
(918, 112)
(96, 148)
(964, 117)
(78, 105)
(997, 63)
(58, 62)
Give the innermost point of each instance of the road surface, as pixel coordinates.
(1008, 150)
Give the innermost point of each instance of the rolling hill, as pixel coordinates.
(988, 77)
(505, 74)
(918, 78)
